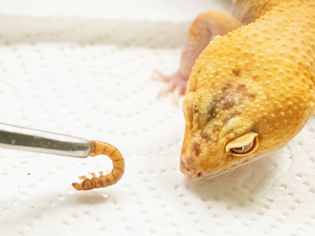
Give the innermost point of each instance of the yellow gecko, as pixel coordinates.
(251, 89)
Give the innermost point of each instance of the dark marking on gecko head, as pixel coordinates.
(241, 88)
(256, 77)
(226, 87)
(213, 107)
(236, 71)
(252, 96)
(196, 149)
(204, 135)
(230, 96)
(228, 101)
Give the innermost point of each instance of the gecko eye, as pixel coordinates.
(243, 145)
(243, 149)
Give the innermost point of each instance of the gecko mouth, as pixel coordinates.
(195, 175)
(189, 171)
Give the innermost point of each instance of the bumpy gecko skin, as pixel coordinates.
(252, 90)
(204, 29)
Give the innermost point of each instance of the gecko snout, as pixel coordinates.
(188, 169)
(189, 154)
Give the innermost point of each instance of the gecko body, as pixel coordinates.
(251, 89)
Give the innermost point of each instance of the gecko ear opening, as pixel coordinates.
(243, 145)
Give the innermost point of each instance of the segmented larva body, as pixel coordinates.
(101, 181)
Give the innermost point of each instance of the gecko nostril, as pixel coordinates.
(199, 174)
(185, 161)
(183, 165)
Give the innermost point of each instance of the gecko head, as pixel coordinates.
(218, 137)
(231, 126)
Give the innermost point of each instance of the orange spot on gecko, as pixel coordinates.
(241, 88)
(226, 87)
(204, 135)
(196, 149)
(236, 71)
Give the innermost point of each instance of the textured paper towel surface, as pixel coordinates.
(84, 68)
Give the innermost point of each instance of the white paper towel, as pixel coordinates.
(84, 68)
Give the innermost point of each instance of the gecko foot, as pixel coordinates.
(176, 83)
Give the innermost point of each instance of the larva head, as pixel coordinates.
(234, 121)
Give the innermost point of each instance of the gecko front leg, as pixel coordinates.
(203, 29)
